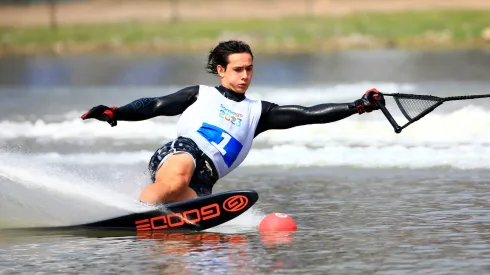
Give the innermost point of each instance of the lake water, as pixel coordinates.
(366, 200)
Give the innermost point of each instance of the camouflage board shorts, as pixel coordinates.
(205, 174)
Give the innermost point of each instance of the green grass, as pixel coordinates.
(397, 29)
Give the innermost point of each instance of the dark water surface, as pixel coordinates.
(350, 222)
(150, 70)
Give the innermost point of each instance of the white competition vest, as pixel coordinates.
(222, 128)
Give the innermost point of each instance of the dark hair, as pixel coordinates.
(219, 55)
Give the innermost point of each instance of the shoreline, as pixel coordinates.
(120, 11)
(434, 30)
(62, 49)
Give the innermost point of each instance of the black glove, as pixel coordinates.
(102, 113)
(367, 101)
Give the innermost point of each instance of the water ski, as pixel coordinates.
(195, 214)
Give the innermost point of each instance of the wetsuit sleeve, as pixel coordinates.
(169, 105)
(274, 116)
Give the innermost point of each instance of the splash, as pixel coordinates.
(35, 193)
(439, 140)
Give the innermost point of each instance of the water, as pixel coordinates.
(366, 200)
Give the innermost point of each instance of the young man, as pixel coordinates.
(217, 125)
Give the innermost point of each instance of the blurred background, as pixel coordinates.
(153, 42)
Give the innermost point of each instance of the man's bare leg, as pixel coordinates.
(171, 181)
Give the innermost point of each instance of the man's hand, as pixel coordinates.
(367, 101)
(102, 113)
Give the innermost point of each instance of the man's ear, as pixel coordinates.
(221, 70)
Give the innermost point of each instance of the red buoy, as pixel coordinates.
(277, 222)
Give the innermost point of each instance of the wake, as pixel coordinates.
(39, 194)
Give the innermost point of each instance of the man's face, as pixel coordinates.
(238, 73)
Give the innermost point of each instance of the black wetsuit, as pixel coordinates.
(273, 116)
(205, 174)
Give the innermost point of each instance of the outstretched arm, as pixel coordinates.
(169, 105)
(283, 117)
(146, 108)
(288, 116)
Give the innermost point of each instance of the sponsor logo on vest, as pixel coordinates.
(230, 116)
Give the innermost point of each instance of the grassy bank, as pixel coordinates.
(424, 29)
